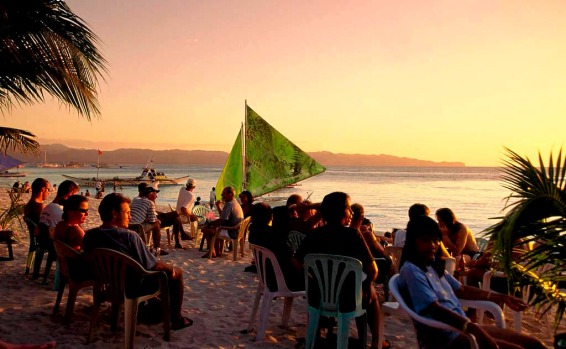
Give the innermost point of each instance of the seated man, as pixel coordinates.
(143, 212)
(434, 293)
(231, 215)
(114, 234)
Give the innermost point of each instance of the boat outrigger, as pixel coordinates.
(148, 175)
(262, 160)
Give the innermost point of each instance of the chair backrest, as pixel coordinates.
(265, 259)
(112, 270)
(66, 255)
(330, 273)
(200, 211)
(394, 287)
(482, 243)
(394, 252)
(450, 265)
(295, 238)
(243, 229)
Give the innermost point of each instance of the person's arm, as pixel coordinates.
(474, 293)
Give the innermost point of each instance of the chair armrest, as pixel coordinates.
(488, 306)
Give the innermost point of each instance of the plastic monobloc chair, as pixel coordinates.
(295, 238)
(238, 240)
(331, 272)
(113, 272)
(67, 256)
(494, 309)
(265, 259)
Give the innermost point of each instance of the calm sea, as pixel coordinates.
(474, 194)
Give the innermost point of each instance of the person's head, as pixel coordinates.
(335, 209)
(40, 187)
(357, 212)
(198, 198)
(213, 188)
(66, 189)
(228, 194)
(151, 191)
(446, 218)
(261, 214)
(246, 198)
(75, 209)
(417, 210)
(366, 225)
(114, 209)
(294, 199)
(422, 244)
(141, 188)
(191, 183)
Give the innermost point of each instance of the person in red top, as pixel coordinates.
(75, 212)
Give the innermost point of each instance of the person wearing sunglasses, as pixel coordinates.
(69, 230)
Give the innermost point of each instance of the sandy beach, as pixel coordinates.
(218, 296)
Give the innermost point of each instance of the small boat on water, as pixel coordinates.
(148, 175)
(7, 163)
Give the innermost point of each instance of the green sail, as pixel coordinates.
(232, 172)
(273, 161)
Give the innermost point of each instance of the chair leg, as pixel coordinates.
(201, 248)
(288, 305)
(50, 259)
(211, 247)
(242, 247)
(10, 251)
(37, 263)
(130, 319)
(71, 299)
(59, 296)
(264, 316)
(93, 317)
(235, 249)
(29, 262)
(168, 231)
(254, 309)
(343, 332)
(312, 330)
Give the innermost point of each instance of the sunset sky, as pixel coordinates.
(433, 80)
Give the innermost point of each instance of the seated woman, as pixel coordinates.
(246, 201)
(433, 293)
(261, 234)
(69, 231)
(457, 238)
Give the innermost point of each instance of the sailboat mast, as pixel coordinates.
(244, 176)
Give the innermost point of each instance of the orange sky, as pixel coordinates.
(434, 80)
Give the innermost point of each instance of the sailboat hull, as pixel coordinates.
(125, 181)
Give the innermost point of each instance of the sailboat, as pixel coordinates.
(262, 160)
(7, 163)
(45, 164)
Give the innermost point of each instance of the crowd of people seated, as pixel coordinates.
(333, 226)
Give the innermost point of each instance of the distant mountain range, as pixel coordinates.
(61, 154)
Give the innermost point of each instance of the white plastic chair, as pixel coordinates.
(330, 273)
(491, 307)
(262, 255)
(238, 240)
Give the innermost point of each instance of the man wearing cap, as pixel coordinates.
(143, 212)
(186, 200)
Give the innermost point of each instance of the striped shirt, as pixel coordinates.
(142, 211)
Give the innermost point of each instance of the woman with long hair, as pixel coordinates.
(457, 238)
(433, 293)
(246, 201)
(75, 212)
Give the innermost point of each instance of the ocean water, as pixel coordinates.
(475, 194)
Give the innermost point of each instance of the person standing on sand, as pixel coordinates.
(114, 212)
(212, 197)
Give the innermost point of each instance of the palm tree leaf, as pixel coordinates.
(18, 140)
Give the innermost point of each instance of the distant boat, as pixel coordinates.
(45, 164)
(148, 175)
(262, 160)
(7, 163)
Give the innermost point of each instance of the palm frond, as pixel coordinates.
(44, 46)
(18, 140)
(536, 213)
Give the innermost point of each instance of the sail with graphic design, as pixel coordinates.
(262, 160)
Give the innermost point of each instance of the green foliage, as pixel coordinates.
(536, 214)
(13, 213)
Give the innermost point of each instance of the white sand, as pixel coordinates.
(218, 297)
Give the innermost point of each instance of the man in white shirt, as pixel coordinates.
(186, 200)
